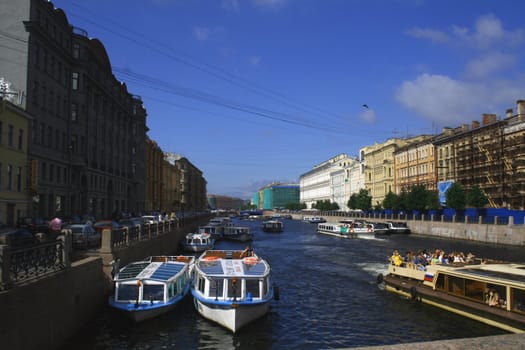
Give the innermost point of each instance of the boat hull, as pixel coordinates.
(145, 311)
(232, 316)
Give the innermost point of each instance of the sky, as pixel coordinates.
(260, 91)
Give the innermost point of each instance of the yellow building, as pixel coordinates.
(379, 166)
(14, 191)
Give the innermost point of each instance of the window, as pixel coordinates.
(74, 112)
(20, 139)
(9, 177)
(10, 135)
(19, 179)
(216, 288)
(74, 81)
(76, 50)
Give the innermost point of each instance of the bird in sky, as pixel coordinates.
(366, 106)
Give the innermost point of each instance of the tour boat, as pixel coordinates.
(335, 229)
(215, 231)
(359, 229)
(314, 219)
(154, 286)
(492, 293)
(197, 242)
(273, 226)
(397, 227)
(230, 289)
(233, 232)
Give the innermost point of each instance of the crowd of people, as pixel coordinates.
(426, 257)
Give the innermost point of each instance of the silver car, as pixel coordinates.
(85, 236)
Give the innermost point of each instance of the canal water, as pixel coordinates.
(328, 299)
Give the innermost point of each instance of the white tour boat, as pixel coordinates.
(335, 229)
(154, 286)
(492, 292)
(197, 242)
(233, 232)
(272, 226)
(230, 289)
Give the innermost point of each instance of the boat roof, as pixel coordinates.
(160, 271)
(229, 265)
(509, 273)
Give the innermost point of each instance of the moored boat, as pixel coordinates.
(491, 292)
(233, 232)
(151, 287)
(397, 227)
(335, 229)
(231, 289)
(314, 219)
(215, 231)
(197, 242)
(359, 229)
(273, 226)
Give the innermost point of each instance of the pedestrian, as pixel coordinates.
(55, 227)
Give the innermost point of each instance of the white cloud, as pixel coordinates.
(484, 66)
(231, 5)
(207, 33)
(487, 32)
(441, 99)
(270, 4)
(368, 116)
(424, 33)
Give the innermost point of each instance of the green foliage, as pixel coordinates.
(456, 197)
(295, 206)
(361, 200)
(417, 198)
(476, 198)
(391, 201)
(325, 205)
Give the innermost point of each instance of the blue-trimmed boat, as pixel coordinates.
(198, 242)
(231, 289)
(151, 287)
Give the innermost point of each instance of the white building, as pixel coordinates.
(333, 180)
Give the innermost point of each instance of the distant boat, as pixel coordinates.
(197, 242)
(335, 229)
(273, 226)
(151, 287)
(233, 232)
(314, 219)
(230, 289)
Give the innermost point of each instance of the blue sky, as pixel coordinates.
(257, 91)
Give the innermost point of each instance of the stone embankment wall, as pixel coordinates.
(488, 233)
(45, 313)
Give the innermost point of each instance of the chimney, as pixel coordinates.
(447, 131)
(475, 124)
(521, 109)
(508, 113)
(488, 118)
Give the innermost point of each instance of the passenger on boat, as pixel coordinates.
(470, 258)
(493, 298)
(396, 259)
(248, 251)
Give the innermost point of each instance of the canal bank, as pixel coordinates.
(508, 234)
(44, 312)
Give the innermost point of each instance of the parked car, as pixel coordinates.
(17, 237)
(34, 225)
(106, 225)
(131, 222)
(85, 236)
(150, 219)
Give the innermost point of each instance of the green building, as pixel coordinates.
(276, 196)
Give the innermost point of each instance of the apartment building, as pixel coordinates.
(87, 136)
(414, 165)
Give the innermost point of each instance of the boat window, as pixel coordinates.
(234, 288)
(200, 284)
(518, 300)
(172, 290)
(153, 292)
(501, 290)
(265, 286)
(456, 285)
(216, 288)
(128, 292)
(440, 283)
(252, 287)
(475, 289)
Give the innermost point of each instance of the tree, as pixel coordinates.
(476, 198)
(456, 197)
(295, 206)
(391, 201)
(362, 200)
(433, 200)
